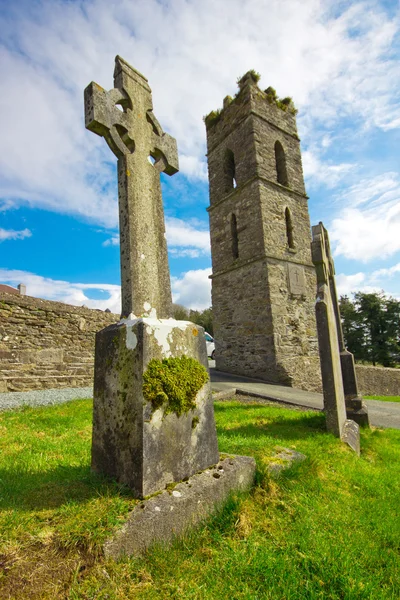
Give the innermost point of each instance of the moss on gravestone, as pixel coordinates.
(173, 383)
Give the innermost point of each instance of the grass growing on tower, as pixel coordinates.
(326, 528)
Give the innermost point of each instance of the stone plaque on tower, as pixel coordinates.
(297, 280)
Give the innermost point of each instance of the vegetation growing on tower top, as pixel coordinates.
(285, 104)
(252, 74)
(213, 117)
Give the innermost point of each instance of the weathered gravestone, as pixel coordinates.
(136, 441)
(356, 409)
(330, 339)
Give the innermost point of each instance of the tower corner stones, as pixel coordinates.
(263, 278)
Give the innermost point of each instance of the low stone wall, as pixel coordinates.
(45, 344)
(379, 381)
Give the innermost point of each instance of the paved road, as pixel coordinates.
(381, 414)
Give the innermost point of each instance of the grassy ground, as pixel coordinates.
(326, 528)
(384, 398)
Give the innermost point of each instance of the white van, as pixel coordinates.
(210, 345)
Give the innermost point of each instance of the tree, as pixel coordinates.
(180, 313)
(200, 317)
(203, 318)
(353, 331)
(371, 327)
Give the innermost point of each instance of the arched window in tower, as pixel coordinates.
(280, 161)
(289, 228)
(229, 170)
(235, 239)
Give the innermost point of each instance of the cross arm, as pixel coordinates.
(104, 119)
(165, 149)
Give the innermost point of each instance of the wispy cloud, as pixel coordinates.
(11, 234)
(376, 281)
(317, 171)
(192, 289)
(369, 227)
(192, 57)
(184, 239)
(64, 291)
(112, 241)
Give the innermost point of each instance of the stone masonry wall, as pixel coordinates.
(263, 282)
(46, 344)
(378, 381)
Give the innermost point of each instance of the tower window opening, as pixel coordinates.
(230, 170)
(289, 228)
(235, 239)
(280, 161)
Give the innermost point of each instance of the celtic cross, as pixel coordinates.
(124, 117)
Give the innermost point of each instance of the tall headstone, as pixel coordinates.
(139, 443)
(356, 409)
(263, 280)
(328, 323)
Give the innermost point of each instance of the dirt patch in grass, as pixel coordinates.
(41, 572)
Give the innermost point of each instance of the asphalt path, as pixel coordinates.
(381, 414)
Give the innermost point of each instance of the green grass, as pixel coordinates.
(384, 398)
(326, 528)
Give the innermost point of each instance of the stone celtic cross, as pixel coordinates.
(124, 117)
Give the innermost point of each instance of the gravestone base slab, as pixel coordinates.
(359, 415)
(171, 514)
(133, 443)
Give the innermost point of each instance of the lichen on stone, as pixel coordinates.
(173, 383)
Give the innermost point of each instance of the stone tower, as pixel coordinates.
(263, 281)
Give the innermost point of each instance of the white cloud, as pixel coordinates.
(192, 289)
(386, 273)
(184, 239)
(11, 234)
(318, 172)
(377, 281)
(193, 167)
(348, 284)
(370, 227)
(192, 56)
(112, 241)
(64, 291)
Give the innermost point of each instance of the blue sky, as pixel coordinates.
(58, 190)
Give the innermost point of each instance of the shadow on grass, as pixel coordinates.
(22, 490)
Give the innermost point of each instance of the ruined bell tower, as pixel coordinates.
(263, 281)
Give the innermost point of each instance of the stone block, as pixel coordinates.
(138, 446)
(166, 516)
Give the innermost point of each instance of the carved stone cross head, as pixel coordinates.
(321, 254)
(124, 117)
